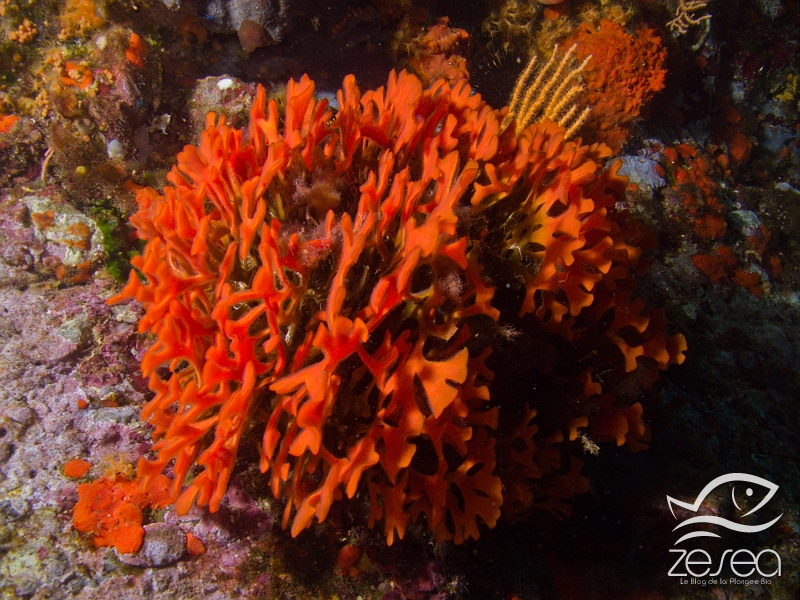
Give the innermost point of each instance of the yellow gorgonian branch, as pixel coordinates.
(684, 17)
(549, 93)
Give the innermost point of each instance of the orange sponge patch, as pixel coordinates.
(77, 468)
(623, 75)
(110, 510)
(137, 50)
(194, 545)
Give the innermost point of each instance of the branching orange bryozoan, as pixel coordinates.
(324, 276)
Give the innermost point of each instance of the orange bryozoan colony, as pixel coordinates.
(326, 280)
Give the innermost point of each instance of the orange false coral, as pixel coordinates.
(575, 253)
(623, 75)
(321, 276)
(230, 239)
(622, 423)
(536, 477)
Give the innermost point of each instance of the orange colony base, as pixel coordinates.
(327, 280)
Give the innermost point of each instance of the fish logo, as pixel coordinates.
(743, 478)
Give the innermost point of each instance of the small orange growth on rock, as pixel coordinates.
(774, 266)
(43, 220)
(719, 266)
(758, 242)
(346, 560)
(77, 75)
(82, 404)
(697, 188)
(729, 130)
(82, 244)
(81, 273)
(137, 50)
(51, 262)
(739, 146)
(723, 162)
(192, 26)
(710, 265)
(671, 155)
(77, 468)
(711, 226)
(253, 36)
(110, 510)
(73, 274)
(7, 122)
(686, 151)
(749, 281)
(713, 266)
(194, 545)
(82, 232)
(556, 10)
